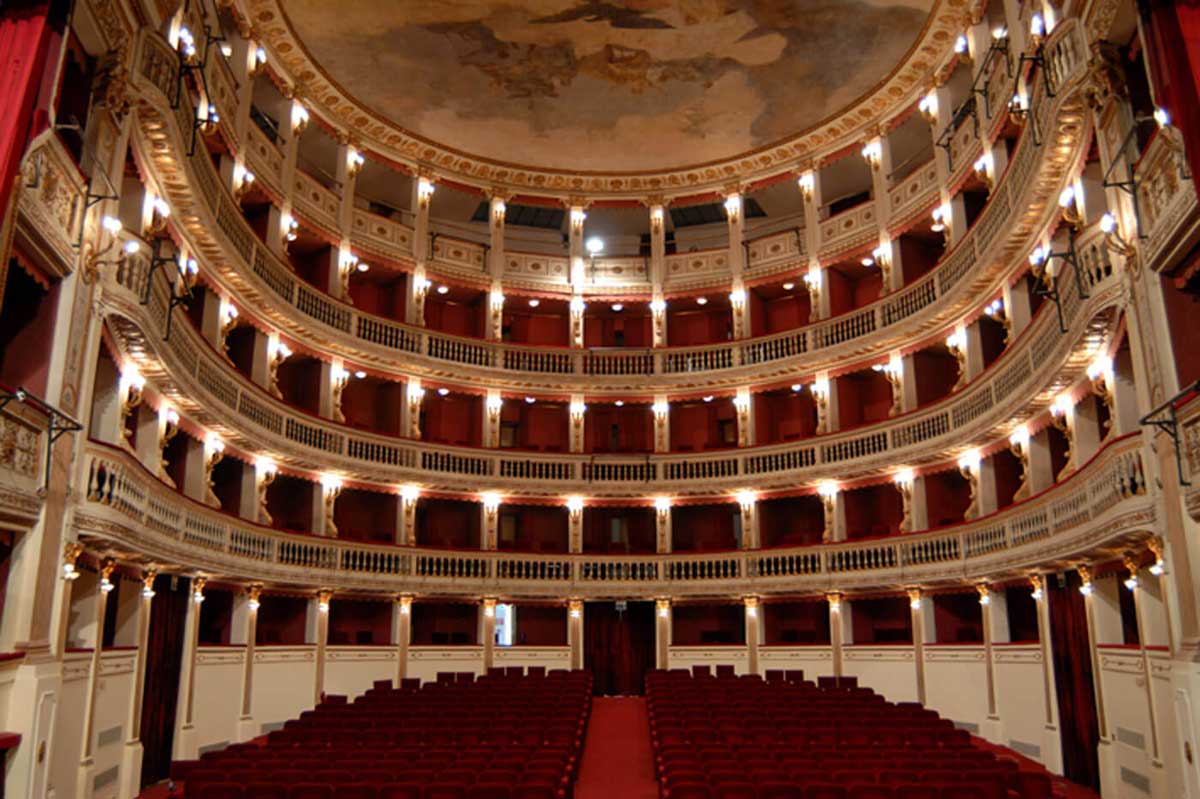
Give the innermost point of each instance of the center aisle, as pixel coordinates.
(617, 758)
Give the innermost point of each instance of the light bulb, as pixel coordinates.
(702, 300)
(594, 245)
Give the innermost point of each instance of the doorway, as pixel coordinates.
(618, 646)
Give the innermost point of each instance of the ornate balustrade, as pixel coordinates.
(257, 279)
(1101, 506)
(206, 387)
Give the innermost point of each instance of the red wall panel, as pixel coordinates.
(783, 416)
(957, 618)
(447, 523)
(795, 622)
(359, 622)
(791, 521)
(537, 528)
(638, 523)
(281, 620)
(544, 329)
(541, 625)
(693, 625)
(445, 624)
(694, 327)
(873, 511)
(947, 496)
(886, 620)
(634, 428)
(453, 419)
(366, 515)
(696, 426)
(703, 527)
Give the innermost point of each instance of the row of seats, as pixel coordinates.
(499, 737)
(728, 737)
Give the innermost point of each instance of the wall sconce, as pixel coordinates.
(893, 371)
(940, 216)
(277, 353)
(903, 481)
(130, 388)
(914, 598)
(664, 608)
(243, 180)
(575, 506)
(928, 106)
(496, 300)
(198, 584)
(984, 168)
(167, 432)
(1018, 107)
(747, 499)
(1037, 29)
(331, 489)
(409, 494)
(1085, 578)
(733, 207)
(1131, 566)
(354, 162)
(1100, 374)
(578, 409)
(968, 463)
(158, 212)
(737, 298)
(662, 505)
(323, 598)
(494, 406)
(148, 578)
(660, 408)
(1113, 238)
(214, 453)
(425, 189)
(71, 552)
(835, 602)
(405, 601)
(415, 394)
(578, 215)
(827, 490)
(956, 343)
(338, 378)
(985, 594)
(656, 219)
(291, 228)
(968, 466)
(1068, 201)
(300, 118)
(259, 61)
(106, 570)
(961, 45)
(872, 153)
(575, 609)
(1038, 582)
(813, 281)
(1155, 545)
(577, 306)
(751, 603)
(491, 502)
(807, 182)
(499, 210)
(254, 597)
(265, 471)
(228, 316)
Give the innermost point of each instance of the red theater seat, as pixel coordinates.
(1031, 785)
(870, 792)
(488, 791)
(689, 791)
(219, 790)
(311, 790)
(779, 790)
(911, 791)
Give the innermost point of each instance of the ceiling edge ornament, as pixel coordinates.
(329, 101)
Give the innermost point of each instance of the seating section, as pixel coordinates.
(746, 738)
(499, 737)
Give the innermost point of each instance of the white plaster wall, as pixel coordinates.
(284, 678)
(113, 693)
(817, 661)
(217, 702)
(956, 683)
(889, 670)
(68, 724)
(684, 657)
(352, 670)
(1127, 709)
(1021, 700)
(424, 662)
(549, 657)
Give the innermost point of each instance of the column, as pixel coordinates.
(410, 413)
(662, 633)
(1142, 602)
(921, 634)
(245, 611)
(825, 398)
(490, 508)
(495, 324)
(280, 220)
(753, 633)
(662, 423)
(737, 263)
(833, 504)
(87, 765)
(658, 270)
(974, 350)
(748, 506)
(906, 367)
(575, 632)
(318, 633)
(743, 404)
(577, 410)
(878, 154)
(332, 382)
(414, 306)
(492, 406)
(809, 182)
(662, 525)
(1018, 311)
(327, 493)
(264, 475)
(149, 433)
(1092, 593)
(402, 635)
(406, 516)
(995, 629)
(185, 738)
(576, 214)
(1062, 416)
(575, 524)
(350, 162)
(1088, 429)
(496, 218)
(131, 754)
(1123, 391)
(837, 629)
(487, 632)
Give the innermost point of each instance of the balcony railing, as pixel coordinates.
(1102, 502)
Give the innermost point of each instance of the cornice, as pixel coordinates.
(294, 67)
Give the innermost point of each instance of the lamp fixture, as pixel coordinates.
(789, 286)
(443, 289)
(534, 302)
(594, 246)
(702, 300)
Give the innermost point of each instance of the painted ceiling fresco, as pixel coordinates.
(637, 85)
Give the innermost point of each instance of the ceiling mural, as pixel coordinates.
(637, 85)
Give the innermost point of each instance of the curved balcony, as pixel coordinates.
(1020, 384)
(1019, 208)
(1098, 509)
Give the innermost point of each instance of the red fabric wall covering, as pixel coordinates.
(841, 291)
(637, 522)
(445, 624)
(366, 515)
(216, 617)
(282, 620)
(289, 501)
(696, 528)
(373, 404)
(312, 265)
(447, 523)
(30, 33)
(239, 345)
(958, 618)
(633, 424)
(936, 372)
(694, 625)
(784, 416)
(299, 380)
(791, 521)
(1008, 477)
(618, 646)
(947, 496)
(873, 511)
(534, 328)
(455, 318)
(26, 330)
(1058, 451)
(863, 398)
(543, 426)
(696, 326)
(778, 314)
(1172, 48)
(176, 456)
(1073, 680)
(796, 623)
(359, 622)
(1183, 321)
(991, 335)
(164, 664)
(453, 419)
(917, 257)
(227, 484)
(383, 297)
(628, 328)
(696, 426)
(882, 620)
(541, 625)
(537, 528)
(1022, 614)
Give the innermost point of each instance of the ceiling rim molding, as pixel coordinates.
(887, 100)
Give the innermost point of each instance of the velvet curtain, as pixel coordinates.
(618, 646)
(1172, 50)
(1071, 652)
(164, 662)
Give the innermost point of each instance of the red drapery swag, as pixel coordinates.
(1071, 653)
(28, 31)
(1172, 30)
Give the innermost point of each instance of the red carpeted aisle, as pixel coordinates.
(617, 757)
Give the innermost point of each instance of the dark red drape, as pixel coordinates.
(618, 646)
(164, 661)
(1173, 52)
(1078, 724)
(27, 32)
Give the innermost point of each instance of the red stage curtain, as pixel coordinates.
(164, 661)
(27, 32)
(1078, 724)
(618, 646)
(1173, 51)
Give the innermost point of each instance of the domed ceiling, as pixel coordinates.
(606, 86)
